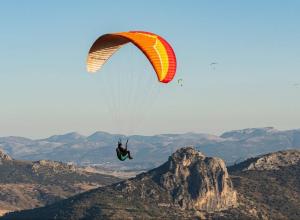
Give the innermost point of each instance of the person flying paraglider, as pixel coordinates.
(123, 153)
(157, 50)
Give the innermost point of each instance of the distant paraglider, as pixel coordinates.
(180, 82)
(213, 65)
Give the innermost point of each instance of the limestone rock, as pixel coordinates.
(196, 182)
(4, 157)
(53, 165)
(274, 161)
(191, 180)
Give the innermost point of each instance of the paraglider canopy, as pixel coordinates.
(157, 50)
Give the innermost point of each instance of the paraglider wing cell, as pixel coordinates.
(102, 49)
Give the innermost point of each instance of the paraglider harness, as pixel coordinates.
(122, 155)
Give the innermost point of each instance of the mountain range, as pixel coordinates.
(98, 149)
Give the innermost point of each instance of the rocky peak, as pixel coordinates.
(275, 161)
(66, 138)
(100, 136)
(195, 181)
(4, 157)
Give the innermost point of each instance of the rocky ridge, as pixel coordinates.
(27, 184)
(272, 161)
(268, 187)
(275, 161)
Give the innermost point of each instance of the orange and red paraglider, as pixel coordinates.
(156, 49)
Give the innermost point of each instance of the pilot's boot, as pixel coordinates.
(129, 156)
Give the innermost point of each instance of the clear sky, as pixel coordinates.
(45, 89)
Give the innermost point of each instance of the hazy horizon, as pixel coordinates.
(195, 132)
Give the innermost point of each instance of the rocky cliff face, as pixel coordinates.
(191, 180)
(195, 181)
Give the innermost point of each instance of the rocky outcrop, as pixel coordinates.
(275, 161)
(4, 157)
(57, 167)
(196, 182)
(191, 180)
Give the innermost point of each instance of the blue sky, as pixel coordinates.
(45, 89)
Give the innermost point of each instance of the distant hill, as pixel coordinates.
(27, 184)
(150, 151)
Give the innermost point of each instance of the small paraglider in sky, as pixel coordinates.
(180, 82)
(213, 65)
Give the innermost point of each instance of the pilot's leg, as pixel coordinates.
(129, 156)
